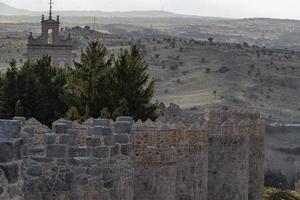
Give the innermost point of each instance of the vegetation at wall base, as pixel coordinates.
(277, 194)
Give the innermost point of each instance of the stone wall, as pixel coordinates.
(102, 169)
(170, 162)
(11, 155)
(236, 156)
(220, 157)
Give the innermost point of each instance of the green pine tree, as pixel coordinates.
(9, 92)
(132, 83)
(36, 90)
(88, 81)
(122, 109)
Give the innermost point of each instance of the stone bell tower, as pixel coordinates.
(50, 43)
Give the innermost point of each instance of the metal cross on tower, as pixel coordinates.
(50, 13)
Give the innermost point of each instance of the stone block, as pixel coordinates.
(35, 170)
(32, 196)
(59, 128)
(101, 152)
(29, 186)
(68, 123)
(102, 122)
(67, 139)
(18, 149)
(72, 132)
(115, 150)
(29, 130)
(126, 149)
(81, 180)
(94, 171)
(42, 159)
(6, 152)
(43, 187)
(109, 141)
(69, 177)
(106, 131)
(122, 127)
(50, 138)
(108, 185)
(36, 150)
(83, 162)
(11, 150)
(11, 172)
(122, 138)
(21, 119)
(61, 186)
(95, 131)
(125, 119)
(12, 191)
(58, 151)
(10, 129)
(78, 152)
(93, 141)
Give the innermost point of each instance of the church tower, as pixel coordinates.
(50, 43)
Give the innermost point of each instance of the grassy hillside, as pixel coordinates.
(200, 75)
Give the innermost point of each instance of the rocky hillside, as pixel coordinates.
(201, 75)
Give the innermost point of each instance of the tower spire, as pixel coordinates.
(50, 13)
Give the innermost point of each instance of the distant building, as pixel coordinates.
(50, 43)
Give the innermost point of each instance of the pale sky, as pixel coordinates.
(214, 8)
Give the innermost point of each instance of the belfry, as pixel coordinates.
(50, 43)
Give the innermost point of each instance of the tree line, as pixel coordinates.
(97, 86)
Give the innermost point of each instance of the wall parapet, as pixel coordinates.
(123, 159)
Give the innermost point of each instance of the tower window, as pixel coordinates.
(50, 36)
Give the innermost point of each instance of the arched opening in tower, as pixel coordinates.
(50, 36)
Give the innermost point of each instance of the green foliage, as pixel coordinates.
(39, 88)
(122, 110)
(112, 86)
(8, 92)
(88, 81)
(73, 114)
(276, 194)
(97, 85)
(105, 113)
(131, 82)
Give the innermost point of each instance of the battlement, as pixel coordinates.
(123, 159)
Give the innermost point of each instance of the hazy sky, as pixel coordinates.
(217, 8)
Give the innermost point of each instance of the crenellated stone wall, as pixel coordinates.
(101, 169)
(236, 156)
(170, 162)
(219, 157)
(11, 155)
